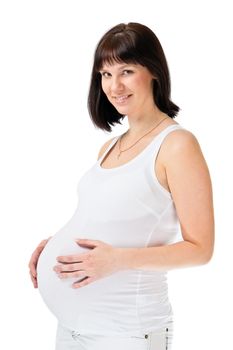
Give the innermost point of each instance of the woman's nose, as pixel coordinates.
(116, 84)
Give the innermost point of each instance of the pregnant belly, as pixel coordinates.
(109, 293)
(65, 302)
(57, 293)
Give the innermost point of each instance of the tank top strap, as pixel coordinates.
(154, 144)
(112, 143)
(158, 139)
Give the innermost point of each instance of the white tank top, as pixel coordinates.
(124, 206)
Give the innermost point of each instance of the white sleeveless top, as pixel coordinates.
(124, 206)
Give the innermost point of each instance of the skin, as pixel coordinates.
(180, 168)
(34, 259)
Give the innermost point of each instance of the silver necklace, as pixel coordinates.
(123, 150)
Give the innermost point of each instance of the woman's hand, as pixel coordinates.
(102, 260)
(34, 259)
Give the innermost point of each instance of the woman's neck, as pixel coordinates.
(139, 126)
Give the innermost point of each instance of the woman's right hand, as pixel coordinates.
(34, 259)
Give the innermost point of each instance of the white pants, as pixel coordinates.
(161, 339)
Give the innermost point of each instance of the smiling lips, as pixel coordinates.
(122, 98)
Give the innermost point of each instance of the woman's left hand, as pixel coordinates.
(102, 260)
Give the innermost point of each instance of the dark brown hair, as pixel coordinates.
(129, 43)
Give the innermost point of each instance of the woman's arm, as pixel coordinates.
(190, 185)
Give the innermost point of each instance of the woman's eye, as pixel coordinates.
(105, 74)
(127, 71)
(108, 75)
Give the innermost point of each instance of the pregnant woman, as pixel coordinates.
(145, 207)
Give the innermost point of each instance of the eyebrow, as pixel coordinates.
(120, 67)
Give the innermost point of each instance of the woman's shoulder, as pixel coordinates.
(104, 147)
(180, 137)
(179, 142)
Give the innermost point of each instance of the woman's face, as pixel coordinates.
(128, 87)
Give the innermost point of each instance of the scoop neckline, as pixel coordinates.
(136, 157)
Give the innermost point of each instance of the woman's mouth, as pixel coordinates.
(122, 98)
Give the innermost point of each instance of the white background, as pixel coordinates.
(47, 141)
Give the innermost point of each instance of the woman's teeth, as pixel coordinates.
(122, 98)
